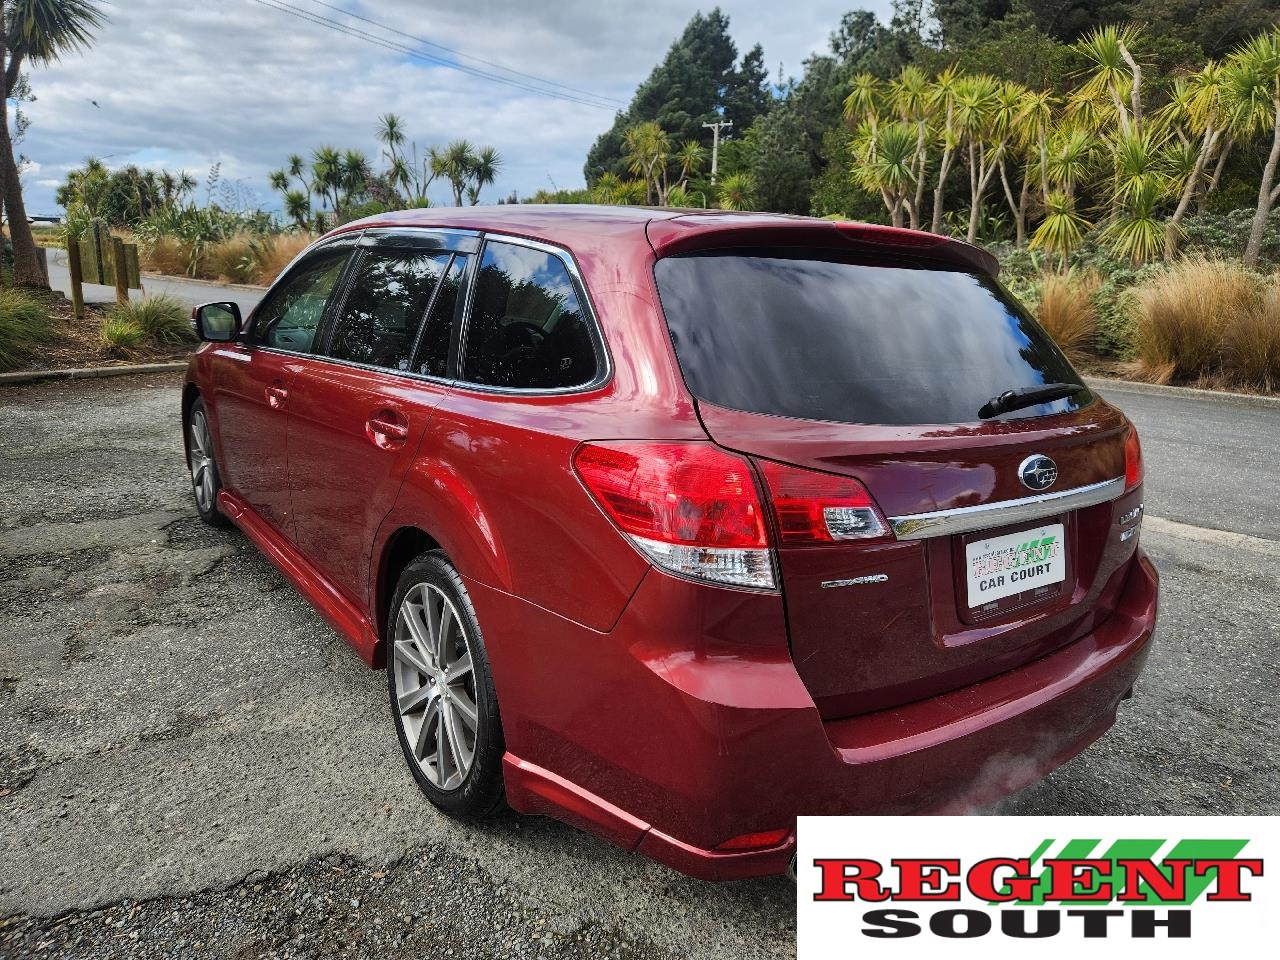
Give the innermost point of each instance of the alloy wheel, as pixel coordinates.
(435, 686)
(200, 453)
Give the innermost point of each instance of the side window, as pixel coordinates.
(433, 354)
(288, 318)
(389, 296)
(527, 328)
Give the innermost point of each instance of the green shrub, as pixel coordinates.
(1225, 235)
(120, 336)
(160, 318)
(24, 326)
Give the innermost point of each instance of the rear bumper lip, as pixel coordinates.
(947, 754)
(942, 523)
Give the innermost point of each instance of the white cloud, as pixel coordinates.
(184, 86)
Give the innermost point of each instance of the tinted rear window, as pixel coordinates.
(827, 339)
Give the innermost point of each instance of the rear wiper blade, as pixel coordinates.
(1023, 397)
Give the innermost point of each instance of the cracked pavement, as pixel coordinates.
(192, 760)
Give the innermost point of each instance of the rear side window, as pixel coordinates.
(827, 339)
(389, 296)
(527, 328)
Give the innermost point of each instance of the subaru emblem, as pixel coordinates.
(1038, 472)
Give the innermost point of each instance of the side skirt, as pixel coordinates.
(330, 603)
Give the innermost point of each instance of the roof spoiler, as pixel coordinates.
(704, 232)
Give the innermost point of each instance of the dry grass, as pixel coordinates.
(1066, 311)
(279, 252)
(1210, 321)
(231, 260)
(1251, 342)
(243, 258)
(1180, 317)
(168, 255)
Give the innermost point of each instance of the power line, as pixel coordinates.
(467, 56)
(397, 47)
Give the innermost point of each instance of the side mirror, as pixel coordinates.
(216, 322)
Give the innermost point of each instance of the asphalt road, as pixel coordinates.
(192, 762)
(186, 291)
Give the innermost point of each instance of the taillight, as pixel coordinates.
(691, 508)
(813, 507)
(1133, 468)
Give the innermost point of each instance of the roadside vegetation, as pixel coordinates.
(1108, 155)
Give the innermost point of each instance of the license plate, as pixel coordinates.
(1003, 566)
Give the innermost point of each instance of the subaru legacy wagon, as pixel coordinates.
(676, 525)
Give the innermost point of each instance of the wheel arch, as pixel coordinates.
(401, 547)
(190, 394)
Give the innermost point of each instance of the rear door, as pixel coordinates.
(358, 412)
(876, 371)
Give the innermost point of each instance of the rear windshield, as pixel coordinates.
(804, 335)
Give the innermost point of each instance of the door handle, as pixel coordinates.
(387, 430)
(276, 395)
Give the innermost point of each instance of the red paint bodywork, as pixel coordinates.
(665, 715)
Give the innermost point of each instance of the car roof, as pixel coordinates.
(670, 230)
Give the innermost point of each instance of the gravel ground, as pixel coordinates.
(192, 762)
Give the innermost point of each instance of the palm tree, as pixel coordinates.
(647, 147)
(1135, 231)
(297, 207)
(1199, 104)
(326, 175)
(1114, 73)
(391, 133)
(37, 32)
(944, 97)
(911, 98)
(690, 158)
(885, 164)
(735, 192)
(355, 174)
(454, 163)
(1062, 229)
(1254, 81)
(983, 125)
(484, 170)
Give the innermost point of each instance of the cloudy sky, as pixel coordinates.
(184, 84)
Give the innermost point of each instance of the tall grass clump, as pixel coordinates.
(1187, 316)
(121, 336)
(24, 326)
(160, 318)
(167, 255)
(1066, 310)
(278, 253)
(1251, 342)
(233, 260)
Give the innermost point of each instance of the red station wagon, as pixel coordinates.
(677, 525)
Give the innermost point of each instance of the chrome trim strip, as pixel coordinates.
(941, 523)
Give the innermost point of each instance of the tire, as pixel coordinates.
(457, 766)
(203, 467)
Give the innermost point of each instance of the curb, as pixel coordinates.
(1185, 393)
(204, 283)
(86, 373)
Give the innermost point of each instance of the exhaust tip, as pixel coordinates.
(791, 867)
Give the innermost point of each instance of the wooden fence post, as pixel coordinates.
(77, 278)
(121, 270)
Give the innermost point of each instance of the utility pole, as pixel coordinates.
(715, 129)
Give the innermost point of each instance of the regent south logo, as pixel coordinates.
(1130, 888)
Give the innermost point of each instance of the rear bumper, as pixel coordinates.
(686, 726)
